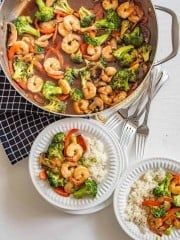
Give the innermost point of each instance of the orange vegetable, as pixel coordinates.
(60, 191)
(150, 203)
(63, 97)
(12, 51)
(171, 214)
(83, 48)
(22, 84)
(81, 141)
(43, 175)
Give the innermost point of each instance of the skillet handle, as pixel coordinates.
(174, 34)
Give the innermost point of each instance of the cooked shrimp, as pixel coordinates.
(110, 4)
(136, 15)
(43, 40)
(52, 66)
(175, 186)
(81, 106)
(119, 97)
(49, 3)
(113, 43)
(62, 30)
(89, 90)
(71, 23)
(177, 223)
(48, 27)
(35, 84)
(154, 224)
(28, 58)
(107, 53)
(93, 53)
(74, 152)
(108, 73)
(13, 34)
(106, 94)
(69, 187)
(71, 43)
(97, 104)
(67, 169)
(125, 9)
(80, 175)
(22, 48)
(65, 86)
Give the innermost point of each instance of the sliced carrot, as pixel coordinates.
(60, 191)
(43, 175)
(81, 141)
(22, 84)
(151, 203)
(63, 97)
(12, 51)
(171, 214)
(83, 48)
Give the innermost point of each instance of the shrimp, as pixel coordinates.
(89, 90)
(52, 66)
(69, 187)
(154, 224)
(28, 58)
(74, 152)
(108, 73)
(107, 53)
(81, 106)
(119, 97)
(125, 9)
(97, 104)
(93, 53)
(48, 27)
(22, 48)
(80, 175)
(71, 43)
(43, 40)
(106, 94)
(113, 43)
(71, 23)
(35, 84)
(175, 186)
(177, 223)
(13, 34)
(136, 15)
(65, 86)
(62, 30)
(110, 4)
(67, 169)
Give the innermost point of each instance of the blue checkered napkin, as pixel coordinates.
(20, 121)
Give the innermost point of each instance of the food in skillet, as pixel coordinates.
(154, 202)
(74, 164)
(79, 57)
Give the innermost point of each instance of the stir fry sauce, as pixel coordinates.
(79, 57)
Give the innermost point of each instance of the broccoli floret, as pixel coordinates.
(158, 212)
(145, 51)
(125, 25)
(55, 105)
(178, 214)
(176, 200)
(86, 17)
(44, 13)
(63, 6)
(58, 138)
(126, 55)
(76, 94)
(89, 189)
(96, 41)
(22, 70)
(122, 79)
(77, 57)
(22, 24)
(163, 188)
(55, 150)
(55, 180)
(85, 77)
(111, 21)
(38, 49)
(50, 90)
(169, 230)
(134, 38)
(70, 75)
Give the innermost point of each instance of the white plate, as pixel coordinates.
(115, 166)
(123, 189)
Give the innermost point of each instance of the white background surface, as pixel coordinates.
(24, 215)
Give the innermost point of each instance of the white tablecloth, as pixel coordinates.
(24, 215)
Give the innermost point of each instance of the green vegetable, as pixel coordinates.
(176, 200)
(126, 55)
(77, 57)
(122, 79)
(87, 162)
(96, 41)
(55, 105)
(86, 17)
(55, 150)
(44, 14)
(22, 70)
(23, 25)
(163, 188)
(50, 90)
(76, 94)
(55, 180)
(58, 138)
(145, 51)
(89, 189)
(38, 49)
(111, 21)
(134, 38)
(125, 25)
(85, 77)
(158, 212)
(178, 214)
(62, 5)
(169, 230)
(70, 75)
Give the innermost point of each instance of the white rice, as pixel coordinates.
(141, 189)
(96, 149)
